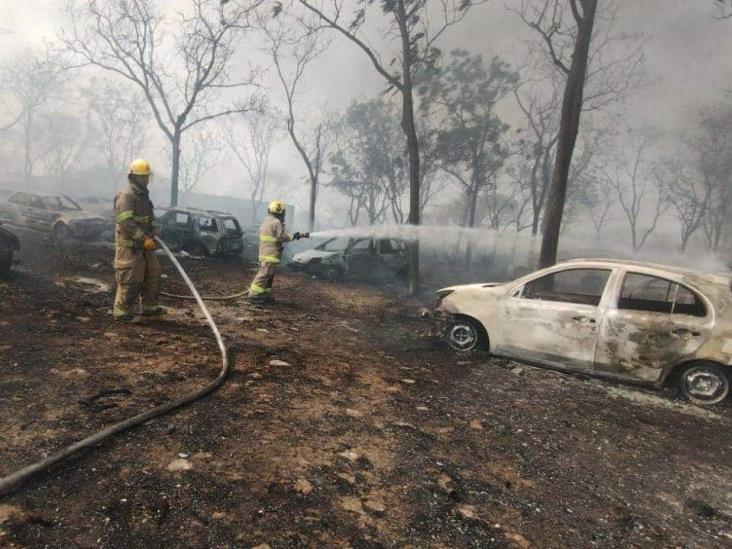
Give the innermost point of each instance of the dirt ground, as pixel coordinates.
(364, 432)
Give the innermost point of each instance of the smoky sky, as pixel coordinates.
(687, 61)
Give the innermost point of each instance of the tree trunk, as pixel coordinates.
(472, 203)
(28, 162)
(410, 131)
(175, 168)
(568, 129)
(313, 199)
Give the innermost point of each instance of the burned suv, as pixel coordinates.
(58, 215)
(201, 233)
(354, 258)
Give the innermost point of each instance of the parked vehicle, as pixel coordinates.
(58, 215)
(200, 232)
(9, 244)
(353, 258)
(625, 320)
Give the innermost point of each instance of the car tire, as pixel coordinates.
(61, 232)
(704, 383)
(465, 335)
(196, 249)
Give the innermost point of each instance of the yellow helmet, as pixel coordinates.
(276, 207)
(140, 167)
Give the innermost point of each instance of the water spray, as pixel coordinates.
(6, 483)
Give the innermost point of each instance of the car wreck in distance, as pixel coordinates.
(201, 233)
(625, 320)
(9, 244)
(339, 258)
(59, 216)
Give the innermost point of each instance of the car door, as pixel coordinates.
(176, 229)
(361, 257)
(38, 214)
(391, 255)
(651, 324)
(553, 319)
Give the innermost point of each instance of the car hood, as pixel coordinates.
(309, 255)
(463, 287)
(80, 216)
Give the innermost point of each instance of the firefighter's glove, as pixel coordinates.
(149, 244)
(296, 236)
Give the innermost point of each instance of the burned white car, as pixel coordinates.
(339, 258)
(630, 321)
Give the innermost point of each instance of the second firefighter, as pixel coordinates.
(272, 236)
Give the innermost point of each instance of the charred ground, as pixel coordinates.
(372, 435)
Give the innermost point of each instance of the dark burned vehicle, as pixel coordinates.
(339, 258)
(202, 233)
(58, 215)
(626, 320)
(9, 244)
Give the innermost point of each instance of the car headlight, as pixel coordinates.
(442, 294)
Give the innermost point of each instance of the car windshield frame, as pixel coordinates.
(323, 247)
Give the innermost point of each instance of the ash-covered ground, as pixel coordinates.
(344, 424)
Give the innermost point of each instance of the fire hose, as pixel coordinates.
(18, 476)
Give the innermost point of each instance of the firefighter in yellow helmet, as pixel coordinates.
(272, 236)
(136, 267)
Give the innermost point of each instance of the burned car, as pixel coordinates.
(9, 244)
(201, 233)
(353, 258)
(58, 215)
(631, 321)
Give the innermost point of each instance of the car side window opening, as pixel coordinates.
(207, 224)
(385, 247)
(365, 244)
(182, 219)
(584, 286)
(231, 224)
(657, 295)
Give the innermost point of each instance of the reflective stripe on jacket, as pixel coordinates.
(134, 216)
(271, 236)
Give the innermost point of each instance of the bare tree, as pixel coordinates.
(291, 53)
(262, 127)
(62, 140)
(687, 194)
(181, 75)
(32, 79)
(565, 33)
(637, 194)
(202, 152)
(118, 123)
(409, 24)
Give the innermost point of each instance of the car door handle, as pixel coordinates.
(581, 318)
(684, 331)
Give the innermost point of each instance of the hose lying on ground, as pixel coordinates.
(208, 297)
(15, 478)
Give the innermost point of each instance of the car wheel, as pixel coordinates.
(464, 335)
(61, 232)
(197, 249)
(704, 383)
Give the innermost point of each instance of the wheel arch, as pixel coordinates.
(673, 373)
(484, 336)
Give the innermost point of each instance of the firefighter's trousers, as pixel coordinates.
(138, 279)
(262, 283)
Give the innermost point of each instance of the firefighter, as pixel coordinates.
(136, 267)
(272, 236)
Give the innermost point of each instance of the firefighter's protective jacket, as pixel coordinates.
(134, 215)
(271, 236)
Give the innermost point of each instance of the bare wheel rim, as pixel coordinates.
(705, 384)
(463, 336)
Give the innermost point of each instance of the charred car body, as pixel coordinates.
(58, 215)
(353, 258)
(625, 320)
(200, 232)
(9, 244)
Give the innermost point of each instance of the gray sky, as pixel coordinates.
(687, 59)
